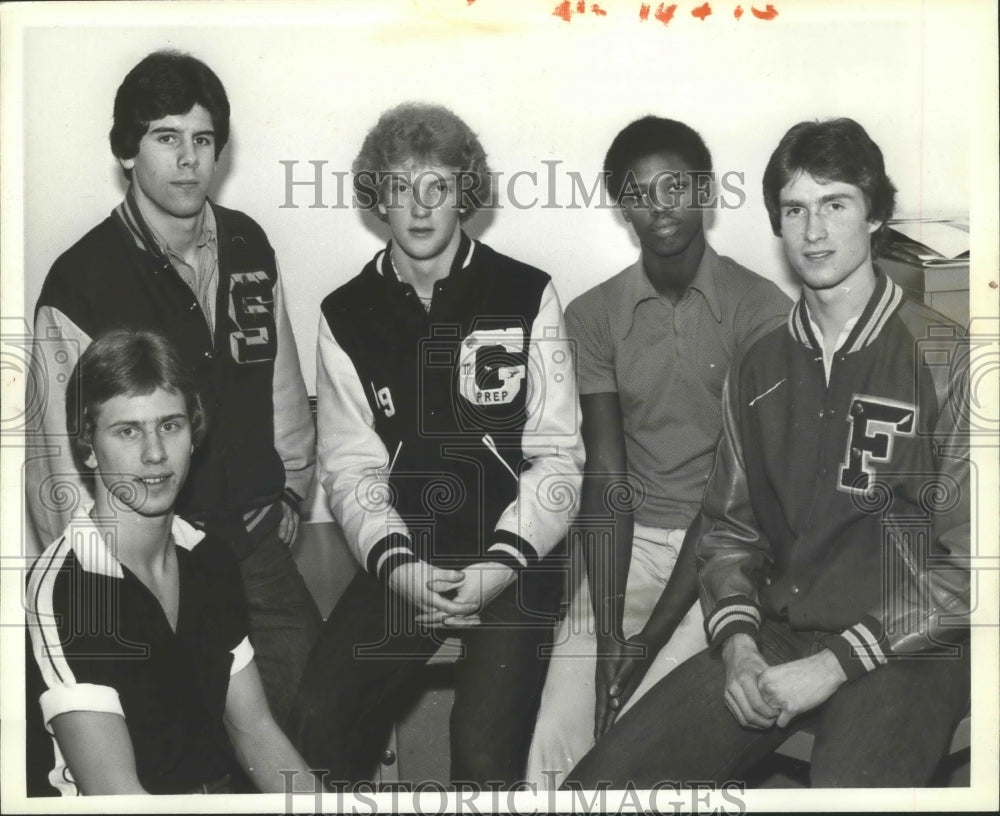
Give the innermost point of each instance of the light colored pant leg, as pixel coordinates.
(564, 731)
(655, 552)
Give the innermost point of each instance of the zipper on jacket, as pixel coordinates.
(492, 448)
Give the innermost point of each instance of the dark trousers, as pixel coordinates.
(284, 620)
(364, 672)
(889, 728)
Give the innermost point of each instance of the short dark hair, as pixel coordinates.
(834, 150)
(645, 137)
(126, 362)
(426, 134)
(166, 83)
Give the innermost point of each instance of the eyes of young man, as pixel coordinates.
(134, 431)
(833, 208)
(429, 190)
(170, 139)
(666, 190)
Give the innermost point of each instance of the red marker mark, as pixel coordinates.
(644, 12)
(702, 12)
(665, 13)
(469, 2)
(581, 7)
(562, 11)
(738, 12)
(769, 12)
(598, 10)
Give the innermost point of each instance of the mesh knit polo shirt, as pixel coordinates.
(667, 364)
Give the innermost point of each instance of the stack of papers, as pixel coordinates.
(929, 243)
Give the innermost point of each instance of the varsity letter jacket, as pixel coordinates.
(450, 436)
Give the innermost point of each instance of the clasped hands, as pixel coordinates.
(449, 597)
(759, 695)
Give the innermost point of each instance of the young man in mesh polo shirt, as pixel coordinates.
(653, 345)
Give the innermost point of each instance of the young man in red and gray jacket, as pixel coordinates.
(169, 260)
(450, 450)
(833, 559)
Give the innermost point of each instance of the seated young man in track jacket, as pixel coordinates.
(833, 560)
(450, 451)
(169, 260)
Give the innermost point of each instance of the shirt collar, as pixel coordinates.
(149, 239)
(91, 548)
(638, 288)
(882, 304)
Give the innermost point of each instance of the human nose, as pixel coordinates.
(815, 227)
(153, 451)
(188, 156)
(419, 207)
(657, 204)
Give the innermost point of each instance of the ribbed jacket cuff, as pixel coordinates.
(290, 497)
(392, 551)
(733, 616)
(859, 648)
(510, 550)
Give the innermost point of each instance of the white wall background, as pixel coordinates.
(534, 87)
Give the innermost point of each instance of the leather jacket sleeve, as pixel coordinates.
(732, 552)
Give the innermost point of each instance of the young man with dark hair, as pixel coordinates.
(833, 560)
(141, 676)
(450, 451)
(170, 260)
(653, 344)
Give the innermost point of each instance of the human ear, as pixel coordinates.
(91, 460)
(127, 164)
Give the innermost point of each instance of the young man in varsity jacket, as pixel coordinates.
(170, 260)
(450, 451)
(833, 563)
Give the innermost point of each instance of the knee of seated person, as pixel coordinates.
(909, 774)
(312, 729)
(482, 767)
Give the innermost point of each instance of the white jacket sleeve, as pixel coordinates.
(354, 464)
(54, 486)
(294, 432)
(548, 491)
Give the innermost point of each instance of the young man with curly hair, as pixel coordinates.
(833, 559)
(168, 259)
(450, 451)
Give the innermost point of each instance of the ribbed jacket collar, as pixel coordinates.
(463, 258)
(882, 304)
